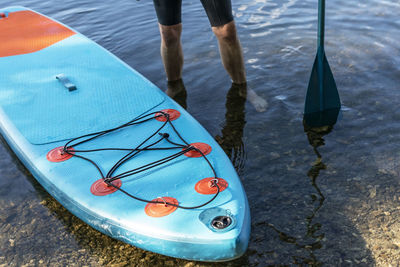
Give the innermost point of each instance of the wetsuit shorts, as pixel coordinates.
(219, 12)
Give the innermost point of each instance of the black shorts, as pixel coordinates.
(219, 12)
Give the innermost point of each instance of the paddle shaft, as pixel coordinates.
(322, 93)
(321, 52)
(321, 23)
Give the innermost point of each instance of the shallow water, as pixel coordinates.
(341, 208)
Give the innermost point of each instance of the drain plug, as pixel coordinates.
(221, 222)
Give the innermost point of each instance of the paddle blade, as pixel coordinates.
(327, 117)
(322, 93)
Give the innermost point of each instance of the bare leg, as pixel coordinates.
(232, 59)
(231, 51)
(172, 57)
(177, 91)
(171, 51)
(259, 103)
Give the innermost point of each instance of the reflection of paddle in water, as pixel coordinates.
(315, 138)
(312, 239)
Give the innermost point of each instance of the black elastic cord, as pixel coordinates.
(132, 152)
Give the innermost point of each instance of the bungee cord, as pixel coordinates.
(110, 177)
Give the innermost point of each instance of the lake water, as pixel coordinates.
(326, 196)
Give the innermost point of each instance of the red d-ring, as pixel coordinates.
(58, 154)
(203, 147)
(161, 209)
(173, 115)
(101, 188)
(207, 187)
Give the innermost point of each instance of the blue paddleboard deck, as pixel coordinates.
(107, 93)
(57, 85)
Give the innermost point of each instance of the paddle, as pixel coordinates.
(322, 94)
(327, 117)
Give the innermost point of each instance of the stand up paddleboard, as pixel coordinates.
(112, 148)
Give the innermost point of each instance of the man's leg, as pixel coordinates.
(172, 57)
(171, 50)
(231, 51)
(169, 19)
(219, 13)
(232, 59)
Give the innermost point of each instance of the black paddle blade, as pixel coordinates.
(322, 93)
(327, 117)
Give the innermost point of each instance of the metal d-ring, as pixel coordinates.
(165, 202)
(215, 180)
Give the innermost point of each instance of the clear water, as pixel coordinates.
(338, 209)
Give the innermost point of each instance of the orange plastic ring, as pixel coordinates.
(57, 154)
(161, 209)
(173, 115)
(206, 186)
(101, 188)
(203, 147)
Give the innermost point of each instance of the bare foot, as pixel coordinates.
(177, 91)
(259, 103)
(175, 88)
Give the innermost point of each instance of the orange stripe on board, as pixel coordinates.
(25, 32)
